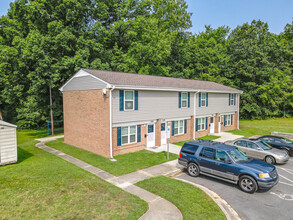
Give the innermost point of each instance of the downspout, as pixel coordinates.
(111, 147)
(194, 114)
(238, 99)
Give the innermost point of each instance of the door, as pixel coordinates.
(223, 169)
(255, 151)
(212, 125)
(219, 127)
(206, 160)
(163, 134)
(151, 136)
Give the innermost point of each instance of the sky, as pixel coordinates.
(277, 13)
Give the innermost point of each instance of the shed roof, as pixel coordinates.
(141, 80)
(3, 123)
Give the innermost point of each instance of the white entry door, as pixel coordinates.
(219, 124)
(163, 134)
(212, 125)
(151, 136)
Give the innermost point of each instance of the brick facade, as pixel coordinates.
(86, 120)
(158, 133)
(182, 137)
(230, 127)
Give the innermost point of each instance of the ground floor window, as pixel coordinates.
(128, 134)
(228, 120)
(201, 124)
(178, 127)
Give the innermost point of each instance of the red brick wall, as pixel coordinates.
(158, 133)
(127, 148)
(182, 137)
(230, 127)
(86, 121)
(203, 132)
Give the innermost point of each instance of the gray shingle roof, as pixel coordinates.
(133, 79)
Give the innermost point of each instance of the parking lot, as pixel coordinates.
(275, 203)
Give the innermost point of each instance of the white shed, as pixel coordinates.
(8, 143)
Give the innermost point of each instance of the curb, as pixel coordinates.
(229, 212)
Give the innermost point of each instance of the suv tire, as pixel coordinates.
(270, 160)
(193, 169)
(247, 184)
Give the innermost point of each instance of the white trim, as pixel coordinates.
(205, 125)
(82, 73)
(194, 114)
(133, 98)
(184, 100)
(228, 113)
(111, 144)
(125, 124)
(177, 119)
(128, 135)
(178, 127)
(238, 103)
(203, 116)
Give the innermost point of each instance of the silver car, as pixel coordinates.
(260, 150)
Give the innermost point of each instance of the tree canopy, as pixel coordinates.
(43, 43)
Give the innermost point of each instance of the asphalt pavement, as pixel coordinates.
(276, 203)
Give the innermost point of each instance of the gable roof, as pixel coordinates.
(134, 80)
(3, 123)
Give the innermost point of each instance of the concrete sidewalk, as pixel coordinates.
(159, 208)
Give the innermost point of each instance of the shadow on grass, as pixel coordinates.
(43, 133)
(22, 155)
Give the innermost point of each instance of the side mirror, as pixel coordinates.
(228, 161)
(259, 148)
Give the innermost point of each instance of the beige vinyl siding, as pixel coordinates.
(84, 83)
(152, 105)
(217, 103)
(8, 145)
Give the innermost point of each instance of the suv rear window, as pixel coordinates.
(189, 149)
(208, 153)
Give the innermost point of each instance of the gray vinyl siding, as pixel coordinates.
(152, 105)
(8, 145)
(217, 103)
(84, 83)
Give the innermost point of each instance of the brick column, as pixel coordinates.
(216, 122)
(191, 127)
(158, 133)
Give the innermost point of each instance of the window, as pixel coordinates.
(128, 134)
(252, 145)
(129, 100)
(189, 149)
(232, 99)
(228, 120)
(201, 124)
(178, 127)
(221, 155)
(208, 153)
(163, 127)
(267, 139)
(184, 100)
(203, 99)
(241, 143)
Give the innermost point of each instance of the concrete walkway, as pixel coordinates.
(226, 136)
(159, 208)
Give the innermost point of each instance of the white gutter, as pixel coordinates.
(194, 114)
(238, 104)
(111, 147)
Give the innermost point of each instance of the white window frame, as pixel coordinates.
(128, 135)
(228, 120)
(232, 97)
(179, 126)
(128, 100)
(203, 100)
(201, 124)
(186, 100)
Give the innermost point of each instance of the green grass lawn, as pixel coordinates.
(125, 163)
(43, 186)
(192, 201)
(208, 138)
(250, 128)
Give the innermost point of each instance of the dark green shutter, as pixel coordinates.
(121, 92)
(119, 136)
(196, 128)
(135, 100)
(207, 99)
(179, 99)
(206, 122)
(172, 128)
(185, 126)
(189, 100)
(225, 120)
(234, 99)
(138, 133)
(231, 119)
(199, 99)
(229, 98)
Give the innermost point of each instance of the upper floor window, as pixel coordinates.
(184, 100)
(203, 99)
(129, 100)
(232, 99)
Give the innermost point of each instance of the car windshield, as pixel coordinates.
(264, 145)
(237, 155)
(287, 141)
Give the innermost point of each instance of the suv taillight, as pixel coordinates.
(180, 155)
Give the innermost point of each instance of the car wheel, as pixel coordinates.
(193, 169)
(248, 184)
(270, 159)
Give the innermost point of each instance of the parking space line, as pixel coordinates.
(288, 184)
(286, 178)
(287, 170)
